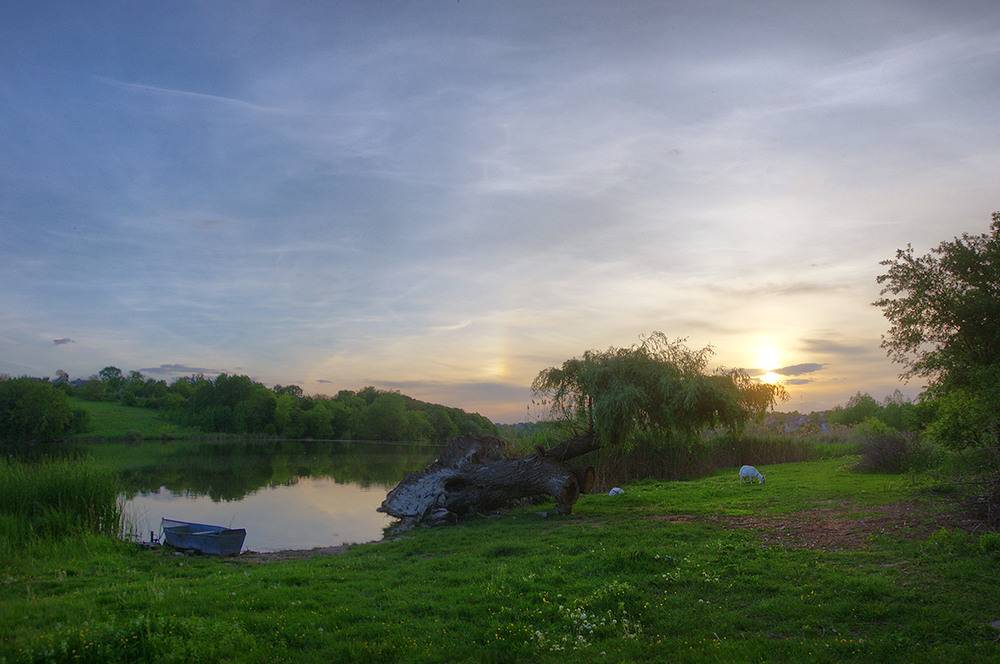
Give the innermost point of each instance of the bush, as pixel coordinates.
(32, 409)
(884, 451)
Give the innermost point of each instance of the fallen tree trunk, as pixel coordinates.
(474, 474)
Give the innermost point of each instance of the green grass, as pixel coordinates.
(621, 579)
(55, 499)
(112, 420)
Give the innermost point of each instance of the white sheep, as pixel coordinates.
(748, 473)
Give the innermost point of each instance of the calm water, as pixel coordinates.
(314, 511)
(289, 495)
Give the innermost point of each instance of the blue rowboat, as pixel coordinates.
(213, 540)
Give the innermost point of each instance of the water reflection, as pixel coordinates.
(227, 471)
(287, 494)
(307, 513)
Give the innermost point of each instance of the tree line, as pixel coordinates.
(40, 409)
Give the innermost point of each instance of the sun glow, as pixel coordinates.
(767, 360)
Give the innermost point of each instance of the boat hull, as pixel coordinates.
(204, 538)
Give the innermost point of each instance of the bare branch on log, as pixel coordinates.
(572, 448)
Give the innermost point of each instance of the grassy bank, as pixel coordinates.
(112, 420)
(819, 564)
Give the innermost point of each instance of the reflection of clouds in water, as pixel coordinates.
(310, 513)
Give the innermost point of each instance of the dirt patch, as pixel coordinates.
(837, 526)
(295, 554)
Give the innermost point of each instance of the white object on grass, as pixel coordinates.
(615, 492)
(749, 473)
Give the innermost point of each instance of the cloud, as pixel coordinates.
(324, 381)
(798, 381)
(799, 369)
(832, 347)
(178, 369)
(209, 223)
(493, 391)
(64, 340)
(190, 95)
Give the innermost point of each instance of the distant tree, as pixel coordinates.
(385, 418)
(655, 388)
(91, 390)
(943, 309)
(445, 427)
(256, 412)
(859, 407)
(898, 413)
(293, 390)
(32, 409)
(112, 378)
(368, 394)
(62, 382)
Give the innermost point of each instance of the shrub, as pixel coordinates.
(884, 451)
(32, 409)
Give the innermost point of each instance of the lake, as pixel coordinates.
(309, 513)
(287, 494)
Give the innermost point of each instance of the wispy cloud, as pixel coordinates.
(179, 370)
(191, 95)
(63, 341)
(799, 369)
(834, 346)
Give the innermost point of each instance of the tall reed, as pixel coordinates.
(54, 499)
(685, 458)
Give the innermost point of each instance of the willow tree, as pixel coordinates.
(653, 389)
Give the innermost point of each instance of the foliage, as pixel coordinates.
(894, 411)
(32, 409)
(958, 421)
(237, 404)
(943, 309)
(859, 408)
(656, 387)
(657, 574)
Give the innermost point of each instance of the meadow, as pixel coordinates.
(821, 563)
(113, 420)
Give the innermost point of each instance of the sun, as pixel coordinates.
(767, 360)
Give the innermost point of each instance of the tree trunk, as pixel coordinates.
(473, 475)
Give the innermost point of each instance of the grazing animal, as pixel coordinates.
(748, 473)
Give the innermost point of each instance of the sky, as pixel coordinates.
(445, 198)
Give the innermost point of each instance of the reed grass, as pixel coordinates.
(686, 458)
(55, 499)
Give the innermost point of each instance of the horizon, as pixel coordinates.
(531, 417)
(446, 198)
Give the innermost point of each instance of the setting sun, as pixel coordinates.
(767, 358)
(770, 377)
